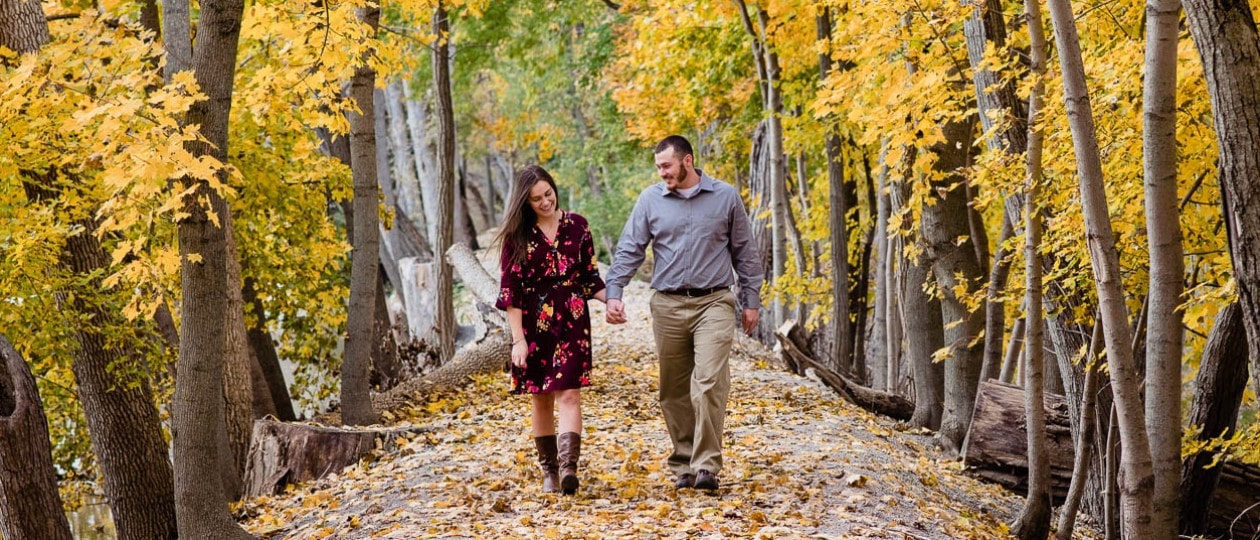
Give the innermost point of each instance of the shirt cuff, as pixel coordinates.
(612, 292)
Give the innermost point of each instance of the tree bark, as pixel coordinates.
(356, 402)
(1167, 268)
(1136, 478)
(446, 182)
(238, 390)
(842, 340)
(1033, 522)
(882, 340)
(122, 419)
(30, 506)
(944, 224)
(286, 454)
(1225, 34)
(197, 420)
(1218, 391)
(265, 353)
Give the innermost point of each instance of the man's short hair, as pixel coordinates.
(679, 143)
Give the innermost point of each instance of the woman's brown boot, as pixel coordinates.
(547, 461)
(570, 451)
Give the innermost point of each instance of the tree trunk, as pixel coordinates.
(946, 230)
(994, 308)
(1136, 478)
(387, 369)
(1085, 449)
(1218, 390)
(426, 163)
(446, 182)
(882, 340)
(842, 340)
(1033, 522)
(402, 148)
(238, 390)
(265, 352)
(1167, 268)
(356, 403)
(123, 423)
(197, 419)
(925, 334)
(1225, 34)
(30, 506)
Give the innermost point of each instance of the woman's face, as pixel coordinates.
(542, 199)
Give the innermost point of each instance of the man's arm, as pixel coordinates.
(746, 259)
(631, 250)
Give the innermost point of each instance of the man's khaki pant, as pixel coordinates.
(693, 342)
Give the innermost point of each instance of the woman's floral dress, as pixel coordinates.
(551, 288)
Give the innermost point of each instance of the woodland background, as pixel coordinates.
(196, 199)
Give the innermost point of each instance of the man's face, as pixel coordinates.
(671, 168)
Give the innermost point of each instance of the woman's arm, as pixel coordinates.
(520, 347)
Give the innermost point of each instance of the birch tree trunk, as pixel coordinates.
(1033, 522)
(1167, 268)
(882, 340)
(1136, 477)
(406, 180)
(356, 401)
(426, 163)
(446, 183)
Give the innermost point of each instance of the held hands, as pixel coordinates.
(616, 313)
(520, 349)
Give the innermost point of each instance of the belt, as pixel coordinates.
(693, 293)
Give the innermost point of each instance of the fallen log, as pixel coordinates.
(799, 362)
(996, 449)
(283, 453)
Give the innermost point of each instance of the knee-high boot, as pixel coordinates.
(570, 451)
(548, 463)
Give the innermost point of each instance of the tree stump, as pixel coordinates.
(284, 453)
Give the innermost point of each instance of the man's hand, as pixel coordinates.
(751, 316)
(616, 313)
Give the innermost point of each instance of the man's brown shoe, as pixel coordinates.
(685, 480)
(706, 480)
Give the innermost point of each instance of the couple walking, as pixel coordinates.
(699, 232)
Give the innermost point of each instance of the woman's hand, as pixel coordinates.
(520, 349)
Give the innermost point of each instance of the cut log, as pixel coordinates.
(284, 453)
(997, 450)
(996, 447)
(891, 405)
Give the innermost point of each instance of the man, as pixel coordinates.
(699, 231)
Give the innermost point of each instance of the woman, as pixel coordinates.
(548, 273)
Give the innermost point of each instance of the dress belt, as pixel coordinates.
(694, 293)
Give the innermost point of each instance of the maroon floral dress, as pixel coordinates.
(551, 289)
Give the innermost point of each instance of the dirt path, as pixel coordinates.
(800, 463)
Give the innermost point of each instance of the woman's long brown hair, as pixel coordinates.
(520, 217)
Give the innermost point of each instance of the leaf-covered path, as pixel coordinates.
(800, 463)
